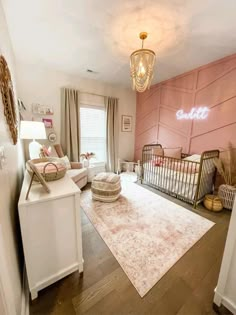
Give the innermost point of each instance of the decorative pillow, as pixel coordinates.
(173, 152)
(158, 151)
(66, 162)
(193, 158)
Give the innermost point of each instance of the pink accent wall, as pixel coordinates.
(212, 85)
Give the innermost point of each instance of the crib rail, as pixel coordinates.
(186, 180)
(207, 174)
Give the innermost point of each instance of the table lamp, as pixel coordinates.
(33, 130)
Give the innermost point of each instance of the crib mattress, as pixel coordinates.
(167, 173)
(175, 182)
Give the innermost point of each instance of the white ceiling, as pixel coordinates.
(76, 35)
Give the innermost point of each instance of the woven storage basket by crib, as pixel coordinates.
(227, 195)
(213, 203)
(50, 168)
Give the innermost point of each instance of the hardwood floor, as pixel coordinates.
(186, 289)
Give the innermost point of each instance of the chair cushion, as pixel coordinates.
(77, 174)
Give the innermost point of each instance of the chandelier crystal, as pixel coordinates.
(141, 66)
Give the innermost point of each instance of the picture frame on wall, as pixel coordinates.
(42, 109)
(47, 122)
(126, 123)
(52, 137)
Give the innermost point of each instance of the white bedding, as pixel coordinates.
(177, 182)
(171, 174)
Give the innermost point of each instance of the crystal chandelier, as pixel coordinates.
(141, 66)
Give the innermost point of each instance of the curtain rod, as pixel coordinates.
(83, 92)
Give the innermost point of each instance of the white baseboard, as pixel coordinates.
(222, 300)
(229, 305)
(25, 295)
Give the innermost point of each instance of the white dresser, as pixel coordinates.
(51, 232)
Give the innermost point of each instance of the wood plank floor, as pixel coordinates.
(186, 289)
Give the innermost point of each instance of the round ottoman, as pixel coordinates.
(106, 187)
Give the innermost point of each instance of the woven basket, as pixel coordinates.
(213, 203)
(227, 195)
(57, 174)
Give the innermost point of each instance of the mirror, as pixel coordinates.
(8, 100)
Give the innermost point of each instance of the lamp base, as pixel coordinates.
(34, 149)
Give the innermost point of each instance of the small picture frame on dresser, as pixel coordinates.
(126, 123)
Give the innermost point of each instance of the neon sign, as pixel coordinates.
(199, 113)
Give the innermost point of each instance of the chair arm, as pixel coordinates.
(76, 165)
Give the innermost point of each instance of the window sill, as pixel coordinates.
(97, 163)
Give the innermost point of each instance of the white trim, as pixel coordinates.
(219, 299)
(97, 163)
(226, 265)
(229, 305)
(25, 294)
(6, 292)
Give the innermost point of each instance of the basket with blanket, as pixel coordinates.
(50, 168)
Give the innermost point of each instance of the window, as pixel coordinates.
(93, 131)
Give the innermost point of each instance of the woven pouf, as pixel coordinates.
(106, 187)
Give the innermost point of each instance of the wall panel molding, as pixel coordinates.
(212, 85)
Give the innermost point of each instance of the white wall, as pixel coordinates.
(10, 181)
(2, 308)
(225, 292)
(230, 290)
(42, 85)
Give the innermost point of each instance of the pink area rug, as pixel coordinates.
(146, 233)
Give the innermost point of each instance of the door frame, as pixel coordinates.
(5, 289)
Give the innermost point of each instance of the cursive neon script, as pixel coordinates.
(195, 113)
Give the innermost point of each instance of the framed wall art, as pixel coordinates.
(42, 109)
(126, 123)
(47, 122)
(52, 137)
